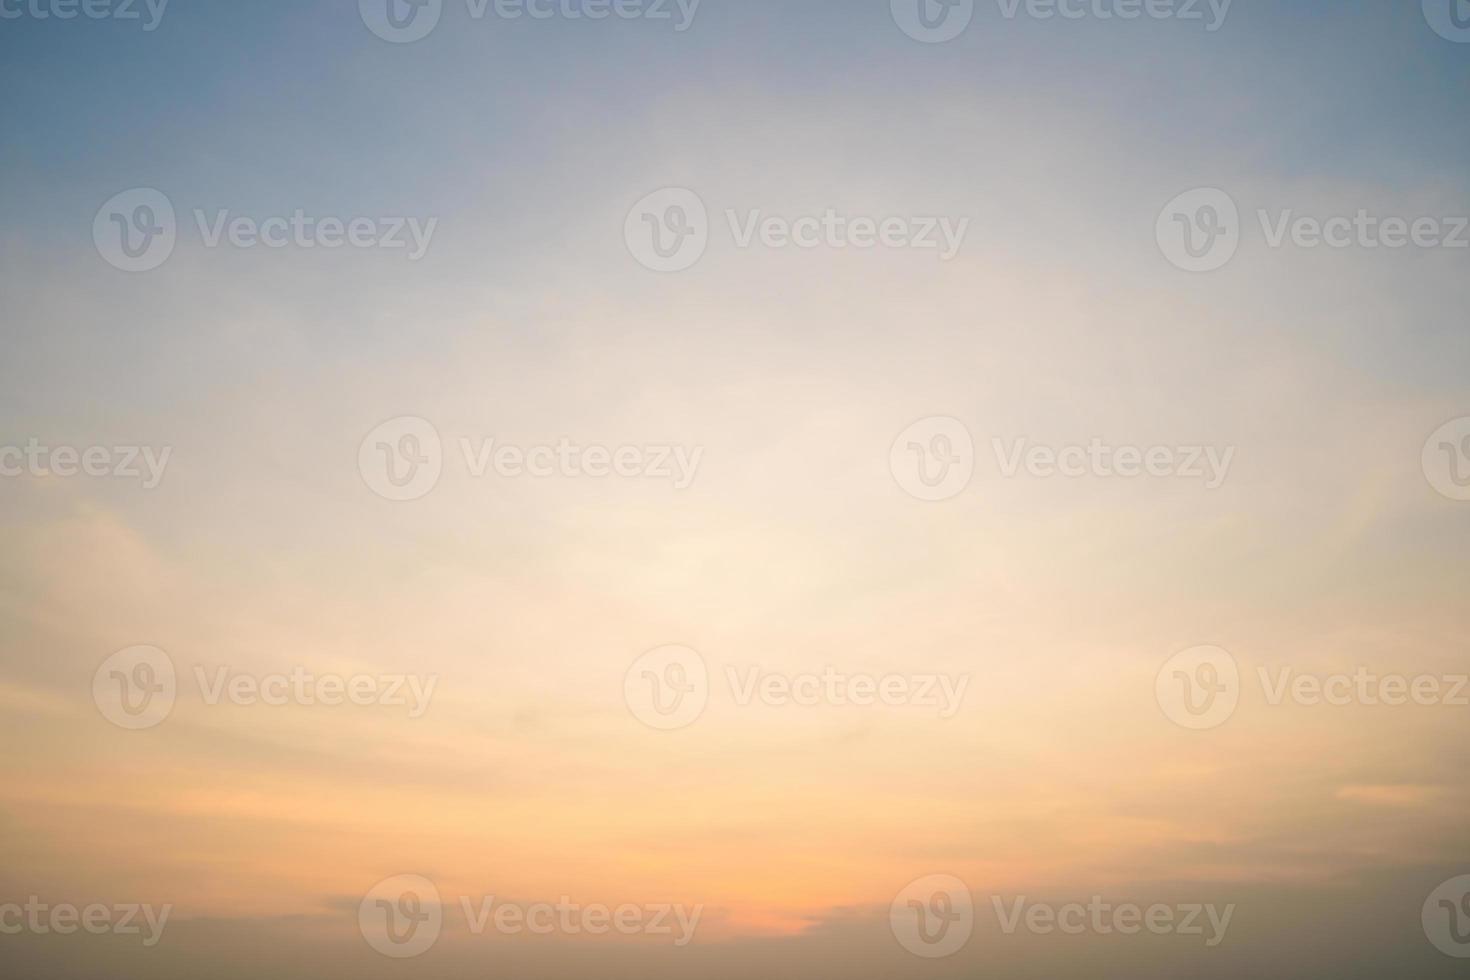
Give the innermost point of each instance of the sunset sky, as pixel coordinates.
(796, 549)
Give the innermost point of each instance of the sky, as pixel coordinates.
(783, 572)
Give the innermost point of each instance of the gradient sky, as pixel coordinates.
(529, 321)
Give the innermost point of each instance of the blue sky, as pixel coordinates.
(533, 318)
